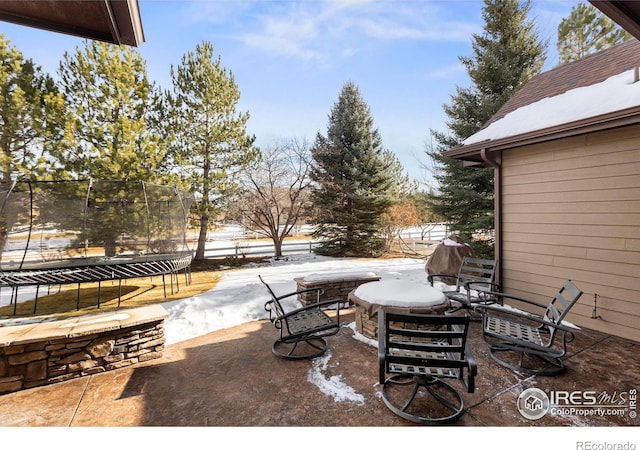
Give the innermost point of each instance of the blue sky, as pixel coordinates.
(290, 59)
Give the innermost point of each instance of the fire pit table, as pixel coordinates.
(394, 296)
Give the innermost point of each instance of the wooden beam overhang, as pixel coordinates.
(624, 13)
(113, 21)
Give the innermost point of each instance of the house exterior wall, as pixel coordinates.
(571, 210)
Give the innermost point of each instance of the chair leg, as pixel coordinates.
(455, 309)
(305, 349)
(473, 315)
(468, 309)
(447, 408)
(550, 365)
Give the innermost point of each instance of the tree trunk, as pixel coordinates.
(110, 247)
(277, 245)
(202, 238)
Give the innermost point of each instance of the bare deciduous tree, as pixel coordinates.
(275, 196)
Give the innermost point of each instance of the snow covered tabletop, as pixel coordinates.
(417, 297)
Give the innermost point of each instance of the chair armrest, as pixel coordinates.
(486, 286)
(519, 299)
(430, 277)
(319, 290)
(487, 309)
(485, 290)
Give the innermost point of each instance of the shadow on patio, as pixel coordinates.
(231, 378)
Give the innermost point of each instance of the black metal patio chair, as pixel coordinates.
(475, 275)
(302, 329)
(528, 342)
(419, 351)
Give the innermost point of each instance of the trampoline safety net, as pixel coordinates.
(57, 232)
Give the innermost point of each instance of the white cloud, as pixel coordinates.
(282, 45)
(318, 30)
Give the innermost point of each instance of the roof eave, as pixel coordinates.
(126, 19)
(113, 21)
(624, 13)
(472, 153)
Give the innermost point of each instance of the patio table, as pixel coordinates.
(394, 296)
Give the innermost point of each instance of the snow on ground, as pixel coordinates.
(239, 296)
(332, 386)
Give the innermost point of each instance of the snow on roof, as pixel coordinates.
(614, 94)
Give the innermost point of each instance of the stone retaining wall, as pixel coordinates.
(337, 286)
(49, 352)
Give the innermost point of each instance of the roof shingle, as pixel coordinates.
(589, 70)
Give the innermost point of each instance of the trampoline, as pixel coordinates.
(64, 232)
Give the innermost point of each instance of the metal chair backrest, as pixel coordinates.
(476, 270)
(428, 343)
(562, 302)
(275, 301)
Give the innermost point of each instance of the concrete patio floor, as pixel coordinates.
(230, 378)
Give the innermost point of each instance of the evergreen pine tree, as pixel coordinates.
(210, 140)
(29, 101)
(505, 57)
(109, 98)
(587, 31)
(353, 182)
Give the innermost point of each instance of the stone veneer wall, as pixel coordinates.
(367, 324)
(336, 286)
(33, 358)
